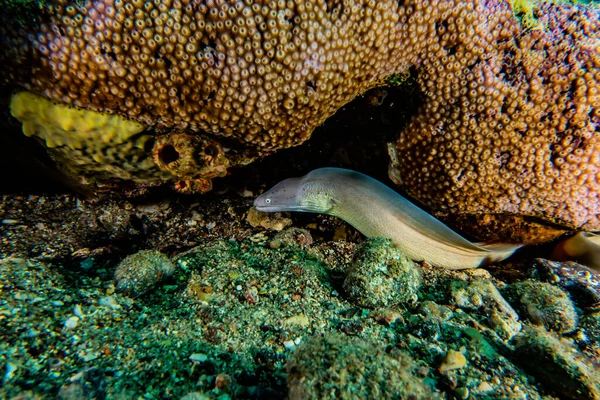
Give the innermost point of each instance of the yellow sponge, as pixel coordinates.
(88, 143)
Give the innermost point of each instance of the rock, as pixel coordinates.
(352, 369)
(291, 237)
(483, 296)
(381, 276)
(453, 360)
(139, 272)
(543, 304)
(554, 362)
(272, 221)
(581, 282)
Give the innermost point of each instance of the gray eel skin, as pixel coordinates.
(378, 211)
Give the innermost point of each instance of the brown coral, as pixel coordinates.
(511, 122)
(510, 117)
(192, 159)
(264, 73)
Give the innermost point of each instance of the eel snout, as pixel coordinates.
(281, 197)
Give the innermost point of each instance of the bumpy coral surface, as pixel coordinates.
(511, 121)
(264, 73)
(511, 116)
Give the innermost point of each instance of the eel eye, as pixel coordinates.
(267, 201)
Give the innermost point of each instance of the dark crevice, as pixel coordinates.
(334, 7)
(292, 19)
(553, 153)
(571, 91)
(470, 67)
(149, 144)
(168, 62)
(504, 159)
(441, 27)
(168, 154)
(578, 142)
(211, 150)
(208, 44)
(511, 69)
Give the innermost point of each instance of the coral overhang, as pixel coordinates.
(510, 122)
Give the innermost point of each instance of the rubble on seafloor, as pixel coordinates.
(237, 311)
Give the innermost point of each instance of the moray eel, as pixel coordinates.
(378, 211)
(583, 248)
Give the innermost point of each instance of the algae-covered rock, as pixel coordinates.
(587, 335)
(555, 363)
(381, 276)
(333, 366)
(543, 304)
(483, 296)
(291, 237)
(582, 283)
(139, 272)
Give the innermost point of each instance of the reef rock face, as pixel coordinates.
(510, 121)
(261, 73)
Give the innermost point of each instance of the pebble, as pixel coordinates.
(453, 360)
(485, 387)
(211, 225)
(198, 357)
(154, 207)
(10, 370)
(299, 320)
(291, 344)
(196, 396)
(461, 393)
(110, 302)
(71, 323)
(78, 311)
(291, 237)
(273, 221)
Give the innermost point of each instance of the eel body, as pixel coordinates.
(584, 248)
(378, 211)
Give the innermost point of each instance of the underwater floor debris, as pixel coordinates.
(254, 313)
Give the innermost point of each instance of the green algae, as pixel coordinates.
(381, 276)
(525, 10)
(543, 304)
(244, 314)
(355, 369)
(398, 79)
(135, 348)
(555, 363)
